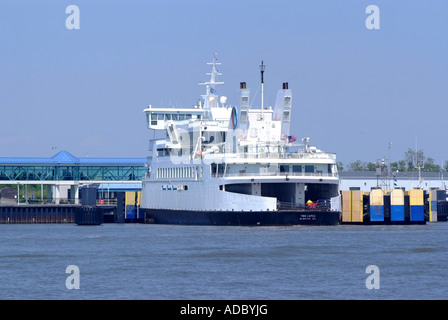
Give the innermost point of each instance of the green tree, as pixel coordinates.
(356, 166)
(430, 166)
(401, 166)
(370, 166)
(414, 158)
(394, 166)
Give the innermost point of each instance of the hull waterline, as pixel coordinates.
(242, 218)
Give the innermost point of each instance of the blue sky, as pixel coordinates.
(355, 90)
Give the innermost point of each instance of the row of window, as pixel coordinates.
(174, 187)
(305, 168)
(179, 172)
(45, 173)
(296, 168)
(172, 116)
(218, 170)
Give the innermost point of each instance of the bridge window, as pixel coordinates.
(213, 169)
(153, 119)
(309, 168)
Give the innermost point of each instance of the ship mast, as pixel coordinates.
(262, 67)
(210, 85)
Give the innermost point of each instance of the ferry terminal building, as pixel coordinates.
(63, 174)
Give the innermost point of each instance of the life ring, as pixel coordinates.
(234, 118)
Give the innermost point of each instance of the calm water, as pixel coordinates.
(118, 261)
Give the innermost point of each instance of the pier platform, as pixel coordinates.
(358, 208)
(38, 213)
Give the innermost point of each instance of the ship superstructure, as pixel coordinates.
(227, 165)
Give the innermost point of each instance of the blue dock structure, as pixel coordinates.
(377, 205)
(416, 205)
(397, 205)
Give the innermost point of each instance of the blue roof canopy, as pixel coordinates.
(64, 157)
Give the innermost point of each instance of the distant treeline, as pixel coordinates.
(411, 162)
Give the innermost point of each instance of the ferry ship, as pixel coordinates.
(218, 164)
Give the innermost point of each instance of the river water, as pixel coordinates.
(136, 261)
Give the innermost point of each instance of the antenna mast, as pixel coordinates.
(262, 67)
(210, 94)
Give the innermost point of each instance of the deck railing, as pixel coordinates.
(243, 173)
(106, 202)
